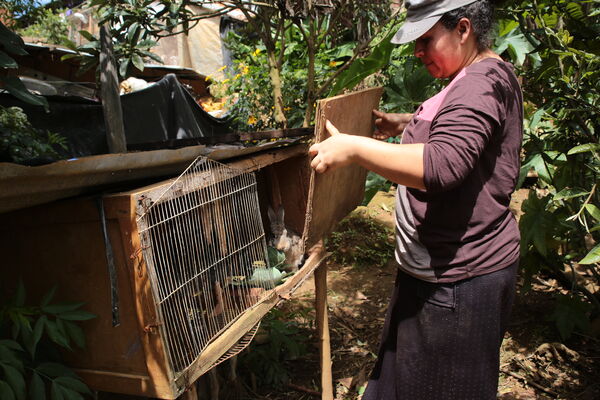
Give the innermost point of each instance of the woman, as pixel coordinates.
(457, 242)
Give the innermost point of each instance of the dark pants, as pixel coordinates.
(442, 341)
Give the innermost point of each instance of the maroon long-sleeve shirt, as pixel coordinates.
(460, 226)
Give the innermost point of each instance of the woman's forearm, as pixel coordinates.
(400, 163)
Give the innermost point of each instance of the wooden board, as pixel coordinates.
(23, 186)
(333, 194)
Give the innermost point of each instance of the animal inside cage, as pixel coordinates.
(205, 250)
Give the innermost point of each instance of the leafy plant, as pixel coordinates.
(283, 342)
(375, 183)
(11, 43)
(30, 365)
(21, 142)
(361, 241)
(49, 25)
(556, 46)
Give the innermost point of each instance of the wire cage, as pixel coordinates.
(205, 249)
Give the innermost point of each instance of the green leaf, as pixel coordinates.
(77, 315)
(11, 344)
(61, 308)
(516, 44)
(68, 57)
(570, 315)
(17, 89)
(37, 390)
(11, 42)
(276, 257)
(592, 257)
(70, 394)
(73, 384)
(535, 224)
(75, 333)
(53, 370)
(88, 36)
(536, 118)
(48, 297)
(7, 61)
(584, 148)
(146, 43)
(15, 380)
(55, 392)
(138, 62)
(593, 211)
(8, 357)
(567, 193)
(6, 392)
(56, 334)
(153, 56)
(539, 165)
(506, 26)
(123, 67)
(38, 330)
(20, 295)
(361, 68)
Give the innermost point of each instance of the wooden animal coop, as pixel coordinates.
(177, 272)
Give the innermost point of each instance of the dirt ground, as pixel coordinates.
(534, 365)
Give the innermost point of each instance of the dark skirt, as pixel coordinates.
(441, 341)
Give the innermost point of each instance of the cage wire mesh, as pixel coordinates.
(204, 245)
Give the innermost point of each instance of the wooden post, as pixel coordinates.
(190, 394)
(323, 330)
(111, 100)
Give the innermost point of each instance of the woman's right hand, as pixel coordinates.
(390, 125)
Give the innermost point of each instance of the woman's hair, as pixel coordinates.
(481, 15)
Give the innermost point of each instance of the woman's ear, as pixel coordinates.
(463, 28)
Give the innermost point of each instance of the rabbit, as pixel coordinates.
(285, 240)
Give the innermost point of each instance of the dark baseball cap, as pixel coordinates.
(421, 16)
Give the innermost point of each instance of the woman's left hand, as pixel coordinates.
(333, 152)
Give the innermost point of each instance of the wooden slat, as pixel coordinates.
(333, 194)
(158, 366)
(245, 164)
(323, 331)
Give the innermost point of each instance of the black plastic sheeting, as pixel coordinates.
(163, 112)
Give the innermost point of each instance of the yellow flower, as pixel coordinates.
(256, 52)
(245, 70)
(236, 77)
(222, 68)
(208, 78)
(225, 80)
(333, 63)
(252, 120)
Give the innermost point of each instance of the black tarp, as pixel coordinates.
(164, 111)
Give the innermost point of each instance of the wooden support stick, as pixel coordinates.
(190, 394)
(111, 100)
(323, 329)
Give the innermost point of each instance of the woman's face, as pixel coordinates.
(444, 52)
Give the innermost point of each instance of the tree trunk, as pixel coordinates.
(310, 84)
(275, 76)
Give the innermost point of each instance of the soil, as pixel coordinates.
(534, 362)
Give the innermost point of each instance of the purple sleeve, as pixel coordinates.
(459, 134)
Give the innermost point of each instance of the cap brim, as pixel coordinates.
(410, 30)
